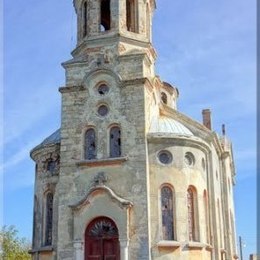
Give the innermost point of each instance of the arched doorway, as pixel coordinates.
(101, 240)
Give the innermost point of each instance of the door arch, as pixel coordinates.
(102, 240)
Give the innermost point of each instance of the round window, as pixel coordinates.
(103, 110)
(103, 89)
(165, 157)
(189, 159)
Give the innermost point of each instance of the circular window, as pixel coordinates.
(189, 159)
(103, 110)
(103, 89)
(165, 157)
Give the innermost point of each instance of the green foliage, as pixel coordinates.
(11, 246)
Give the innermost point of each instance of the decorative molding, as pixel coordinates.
(68, 89)
(169, 243)
(102, 162)
(196, 245)
(123, 203)
(41, 249)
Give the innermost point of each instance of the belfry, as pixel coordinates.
(127, 176)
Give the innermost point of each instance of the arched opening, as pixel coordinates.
(85, 19)
(90, 144)
(102, 240)
(115, 142)
(164, 98)
(105, 18)
(131, 15)
(192, 214)
(48, 219)
(167, 213)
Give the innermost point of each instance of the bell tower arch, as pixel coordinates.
(128, 18)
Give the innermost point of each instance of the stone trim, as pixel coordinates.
(169, 243)
(68, 89)
(209, 247)
(85, 201)
(102, 162)
(196, 245)
(41, 249)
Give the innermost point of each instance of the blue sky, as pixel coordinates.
(206, 48)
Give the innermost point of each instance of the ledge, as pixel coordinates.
(223, 251)
(169, 243)
(41, 249)
(101, 162)
(209, 247)
(196, 245)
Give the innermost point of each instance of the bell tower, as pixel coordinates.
(103, 149)
(110, 18)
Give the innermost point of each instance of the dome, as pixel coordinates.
(166, 125)
(52, 139)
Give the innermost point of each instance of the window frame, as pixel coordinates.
(174, 229)
(86, 154)
(109, 141)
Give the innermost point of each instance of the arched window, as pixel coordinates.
(48, 219)
(51, 165)
(131, 15)
(90, 144)
(167, 213)
(105, 18)
(192, 225)
(164, 98)
(115, 142)
(85, 19)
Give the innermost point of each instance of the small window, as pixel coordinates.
(189, 159)
(191, 203)
(164, 98)
(131, 15)
(103, 89)
(49, 219)
(105, 19)
(115, 142)
(167, 213)
(165, 157)
(103, 110)
(90, 144)
(51, 166)
(85, 19)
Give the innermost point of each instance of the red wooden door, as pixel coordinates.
(101, 240)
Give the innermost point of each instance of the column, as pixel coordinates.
(124, 249)
(78, 250)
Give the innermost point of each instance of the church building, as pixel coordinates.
(127, 176)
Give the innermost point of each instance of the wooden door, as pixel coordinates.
(101, 240)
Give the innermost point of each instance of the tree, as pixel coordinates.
(11, 246)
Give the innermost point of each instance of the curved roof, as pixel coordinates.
(54, 138)
(166, 125)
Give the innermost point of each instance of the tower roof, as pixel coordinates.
(54, 138)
